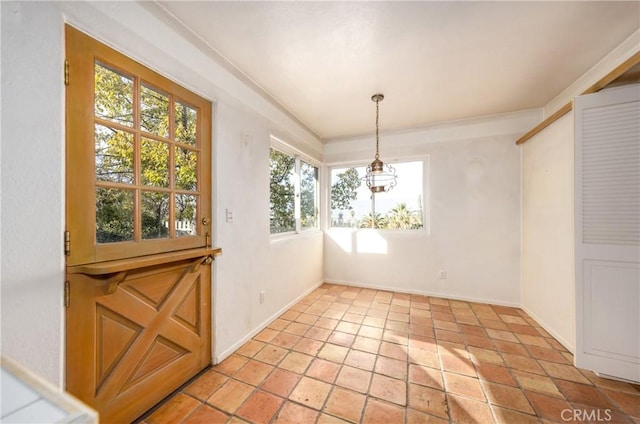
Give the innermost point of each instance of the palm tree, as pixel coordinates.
(373, 221)
(403, 218)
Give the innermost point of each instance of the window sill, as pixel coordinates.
(418, 232)
(275, 238)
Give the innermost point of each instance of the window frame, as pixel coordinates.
(425, 159)
(299, 157)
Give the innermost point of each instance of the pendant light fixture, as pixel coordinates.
(380, 177)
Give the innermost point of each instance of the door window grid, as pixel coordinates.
(135, 154)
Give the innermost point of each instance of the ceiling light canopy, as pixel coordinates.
(380, 177)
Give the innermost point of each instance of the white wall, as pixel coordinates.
(32, 188)
(33, 176)
(473, 192)
(548, 262)
(251, 262)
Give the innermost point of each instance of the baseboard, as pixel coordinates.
(611, 377)
(426, 293)
(550, 330)
(217, 358)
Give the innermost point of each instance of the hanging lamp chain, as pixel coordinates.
(380, 177)
(377, 117)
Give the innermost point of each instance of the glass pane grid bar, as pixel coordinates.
(136, 117)
(172, 200)
(106, 184)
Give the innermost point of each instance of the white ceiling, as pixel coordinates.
(433, 61)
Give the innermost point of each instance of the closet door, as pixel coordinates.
(607, 230)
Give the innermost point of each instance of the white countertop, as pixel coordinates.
(26, 398)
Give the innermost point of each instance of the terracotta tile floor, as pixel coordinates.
(345, 354)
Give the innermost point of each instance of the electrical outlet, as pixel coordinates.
(262, 293)
(229, 216)
(443, 274)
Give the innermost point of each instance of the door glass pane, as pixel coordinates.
(308, 196)
(113, 96)
(155, 163)
(186, 166)
(282, 192)
(114, 215)
(155, 215)
(185, 124)
(113, 155)
(154, 112)
(186, 212)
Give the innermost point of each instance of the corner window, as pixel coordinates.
(294, 191)
(354, 206)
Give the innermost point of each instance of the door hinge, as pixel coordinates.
(66, 72)
(67, 294)
(67, 243)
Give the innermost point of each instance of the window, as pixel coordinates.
(139, 166)
(293, 193)
(354, 206)
(282, 199)
(308, 196)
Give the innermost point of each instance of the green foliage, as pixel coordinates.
(185, 211)
(402, 218)
(282, 192)
(373, 221)
(185, 124)
(155, 162)
(113, 96)
(155, 214)
(113, 155)
(154, 112)
(114, 215)
(398, 218)
(186, 165)
(308, 195)
(344, 191)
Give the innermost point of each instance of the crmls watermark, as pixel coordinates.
(581, 415)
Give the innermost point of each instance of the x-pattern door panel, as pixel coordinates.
(147, 337)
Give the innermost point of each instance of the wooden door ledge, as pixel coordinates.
(124, 265)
